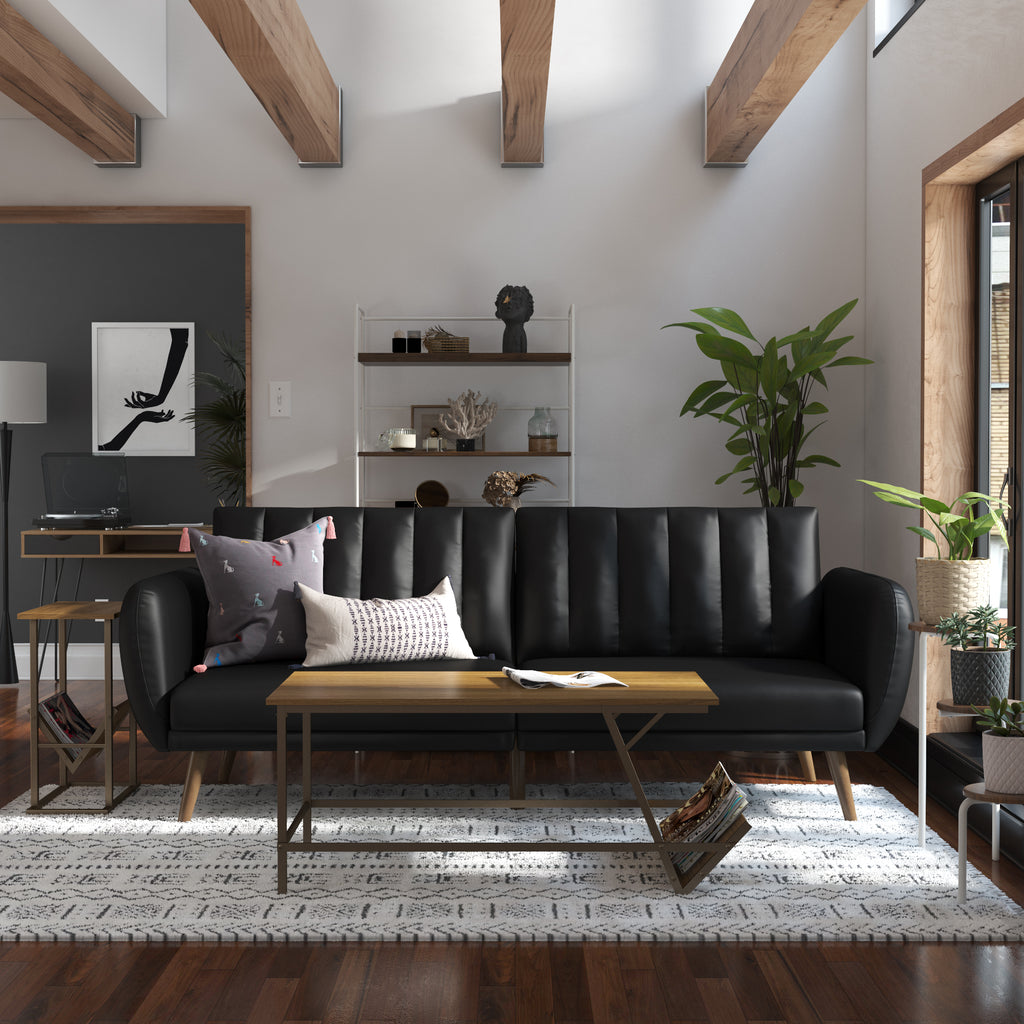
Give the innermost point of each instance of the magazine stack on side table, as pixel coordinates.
(64, 728)
(713, 820)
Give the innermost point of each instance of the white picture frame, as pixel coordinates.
(142, 388)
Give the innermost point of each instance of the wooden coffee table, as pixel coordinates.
(652, 693)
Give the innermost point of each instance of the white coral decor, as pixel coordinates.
(468, 415)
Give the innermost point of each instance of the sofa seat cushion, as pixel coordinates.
(233, 700)
(757, 695)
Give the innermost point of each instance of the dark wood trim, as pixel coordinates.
(463, 358)
(777, 48)
(125, 215)
(47, 83)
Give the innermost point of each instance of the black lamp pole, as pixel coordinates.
(8, 665)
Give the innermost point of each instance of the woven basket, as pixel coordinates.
(446, 344)
(945, 587)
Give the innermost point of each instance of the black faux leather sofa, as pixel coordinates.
(798, 662)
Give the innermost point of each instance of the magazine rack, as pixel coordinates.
(102, 738)
(710, 855)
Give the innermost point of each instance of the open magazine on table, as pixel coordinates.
(533, 679)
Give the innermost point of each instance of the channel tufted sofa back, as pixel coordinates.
(673, 582)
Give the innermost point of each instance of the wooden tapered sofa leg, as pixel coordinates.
(841, 777)
(807, 765)
(516, 774)
(226, 765)
(193, 780)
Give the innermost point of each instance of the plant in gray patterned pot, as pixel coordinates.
(982, 654)
(1002, 746)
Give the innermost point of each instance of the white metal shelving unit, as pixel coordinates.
(371, 355)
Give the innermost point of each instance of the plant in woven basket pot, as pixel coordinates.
(953, 581)
(981, 656)
(1002, 745)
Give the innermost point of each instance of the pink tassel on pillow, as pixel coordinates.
(198, 668)
(330, 534)
(184, 544)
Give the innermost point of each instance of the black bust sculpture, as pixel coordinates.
(514, 305)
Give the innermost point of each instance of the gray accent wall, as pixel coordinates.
(57, 279)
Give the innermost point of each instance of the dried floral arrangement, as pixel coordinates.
(504, 488)
(468, 415)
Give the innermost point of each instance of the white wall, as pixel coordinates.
(624, 221)
(938, 80)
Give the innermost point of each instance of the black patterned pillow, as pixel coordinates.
(255, 614)
(343, 630)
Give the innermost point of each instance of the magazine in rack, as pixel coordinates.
(705, 817)
(66, 722)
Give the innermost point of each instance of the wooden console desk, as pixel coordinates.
(127, 542)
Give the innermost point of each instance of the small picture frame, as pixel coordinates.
(424, 418)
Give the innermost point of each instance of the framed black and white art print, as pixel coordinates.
(142, 388)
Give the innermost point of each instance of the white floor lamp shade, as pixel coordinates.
(22, 400)
(22, 392)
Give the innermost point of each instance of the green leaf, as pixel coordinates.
(850, 361)
(741, 446)
(695, 325)
(809, 363)
(830, 322)
(814, 409)
(773, 495)
(715, 346)
(796, 488)
(727, 319)
(701, 392)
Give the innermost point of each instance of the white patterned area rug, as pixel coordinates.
(801, 873)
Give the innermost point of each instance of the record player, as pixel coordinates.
(85, 491)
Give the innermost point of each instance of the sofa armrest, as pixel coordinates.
(867, 640)
(162, 630)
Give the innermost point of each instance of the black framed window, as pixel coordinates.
(1000, 451)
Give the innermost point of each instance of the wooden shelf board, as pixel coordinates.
(462, 455)
(462, 358)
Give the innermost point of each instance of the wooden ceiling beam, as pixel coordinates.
(777, 48)
(48, 84)
(272, 47)
(526, 28)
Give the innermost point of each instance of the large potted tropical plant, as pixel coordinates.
(953, 581)
(981, 654)
(765, 397)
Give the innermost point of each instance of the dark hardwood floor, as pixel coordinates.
(571, 983)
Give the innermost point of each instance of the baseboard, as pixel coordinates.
(85, 661)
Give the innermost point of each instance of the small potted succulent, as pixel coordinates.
(981, 654)
(952, 581)
(1002, 752)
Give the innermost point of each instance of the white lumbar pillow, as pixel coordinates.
(344, 630)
